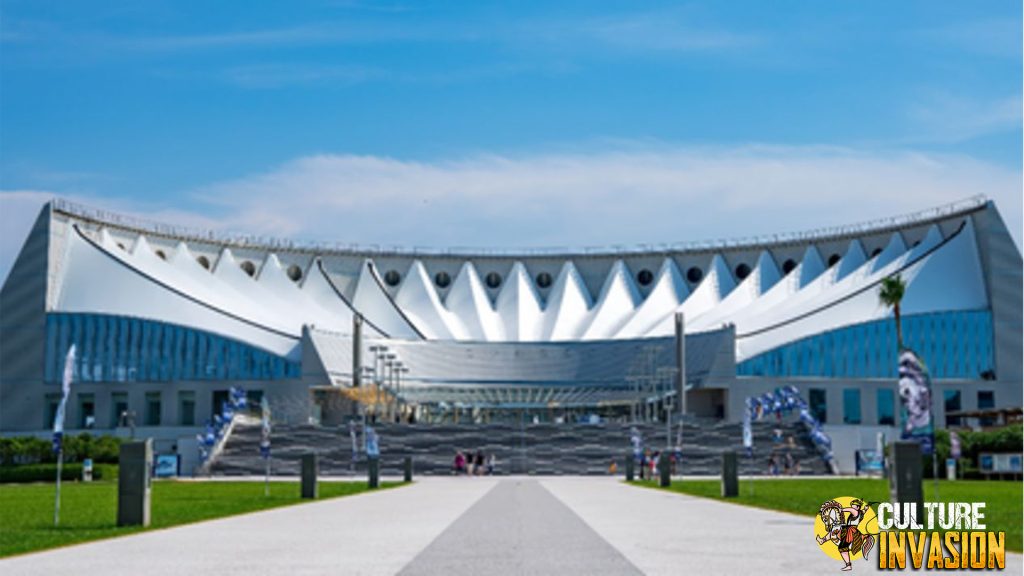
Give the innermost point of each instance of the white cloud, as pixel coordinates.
(635, 195)
(947, 118)
(638, 194)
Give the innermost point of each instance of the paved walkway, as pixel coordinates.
(471, 526)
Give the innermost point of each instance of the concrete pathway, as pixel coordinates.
(471, 526)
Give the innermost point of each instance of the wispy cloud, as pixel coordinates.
(634, 194)
(947, 118)
(281, 75)
(993, 37)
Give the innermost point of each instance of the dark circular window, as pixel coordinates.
(916, 244)
(161, 254)
(833, 259)
(694, 275)
(248, 267)
(645, 277)
(493, 280)
(121, 246)
(204, 262)
(876, 252)
(442, 279)
(295, 273)
(742, 271)
(543, 279)
(788, 266)
(392, 277)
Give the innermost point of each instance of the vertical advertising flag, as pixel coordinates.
(58, 421)
(265, 432)
(748, 434)
(916, 401)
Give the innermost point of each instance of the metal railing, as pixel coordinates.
(261, 242)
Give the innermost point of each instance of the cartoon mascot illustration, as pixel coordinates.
(844, 533)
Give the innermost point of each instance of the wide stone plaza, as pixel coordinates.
(485, 525)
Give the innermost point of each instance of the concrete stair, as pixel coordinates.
(542, 449)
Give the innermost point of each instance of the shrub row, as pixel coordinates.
(1000, 440)
(48, 473)
(20, 450)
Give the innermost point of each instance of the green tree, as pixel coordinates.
(891, 294)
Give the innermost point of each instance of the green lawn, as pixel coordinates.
(89, 510)
(1003, 512)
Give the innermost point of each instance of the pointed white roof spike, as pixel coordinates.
(764, 276)
(852, 260)
(373, 302)
(468, 300)
(107, 241)
(618, 300)
(518, 305)
(717, 284)
(931, 239)
(143, 251)
(420, 302)
(669, 291)
(568, 306)
(810, 267)
(892, 251)
(273, 278)
(317, 290)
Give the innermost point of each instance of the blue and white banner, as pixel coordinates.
(916, 401)
(265, 432)
(58, 421)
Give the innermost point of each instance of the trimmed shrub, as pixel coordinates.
(48, 473)
(21, 450)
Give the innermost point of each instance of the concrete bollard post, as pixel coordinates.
(730, 476)
(906, 478)
(665, 469)
(310, 471)
(630, 471)
(134, 483)
(408, 469)
(373, 472)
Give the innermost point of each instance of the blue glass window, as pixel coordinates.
(951, 398)
(817, 402)
(120, 349)
(953, 345)
(851, 406)
(886, 407)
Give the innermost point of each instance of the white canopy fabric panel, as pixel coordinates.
(854, 299)
(568, 306)
(106, 282)
(717, 284)
(372, 301)
(519, 307)
(468, 300)
(423, 306)
(669, 292)
(761, 279)
(618, 300)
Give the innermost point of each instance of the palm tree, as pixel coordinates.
(890, 294)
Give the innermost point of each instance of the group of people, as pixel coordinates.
(649, 461)
(781, 459)
(473, 464)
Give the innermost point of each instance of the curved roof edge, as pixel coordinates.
(849, 231)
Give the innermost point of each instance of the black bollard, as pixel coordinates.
(309, 474)
(134, 486)
(408, 469)
(906, 478)
(373, 472)
(630, 465)
(730, 476)
(665, 468)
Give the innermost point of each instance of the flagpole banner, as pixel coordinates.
(916, 401)
(265, 432)
(58, 421)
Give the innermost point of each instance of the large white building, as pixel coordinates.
(166, 319)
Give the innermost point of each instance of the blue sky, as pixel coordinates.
(470, 124)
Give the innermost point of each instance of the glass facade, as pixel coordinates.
(851, 405)
(951, 400)
(886, 407)
(122, 349)
(952, 345)
(816, 401)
